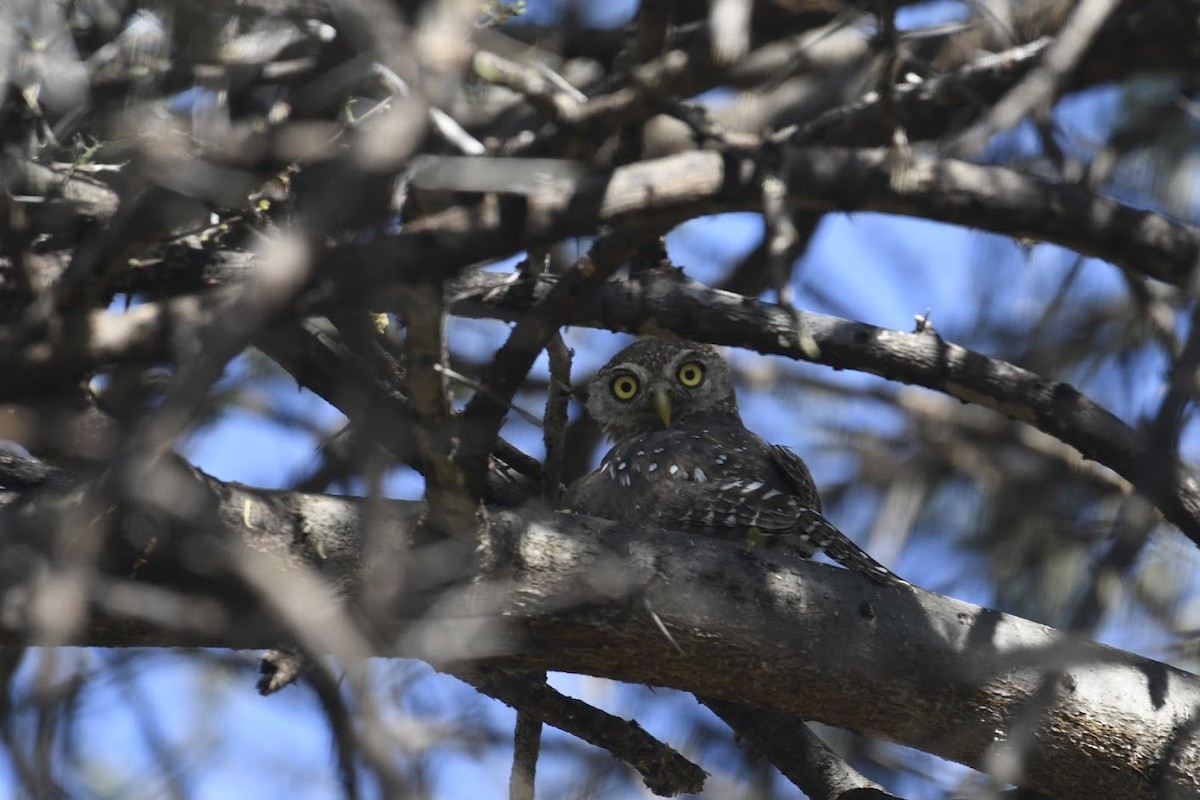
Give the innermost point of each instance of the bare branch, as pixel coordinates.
(1037, 90)
(907, 664)
(795, 750)
(485, 412)
(453, 508)
(665, 771)
(657, 194)
(692, 310)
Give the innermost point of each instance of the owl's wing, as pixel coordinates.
(796, 471)
(739, 489)
(784, 507)
(728, 486)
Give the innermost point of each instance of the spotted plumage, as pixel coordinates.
(683, 459)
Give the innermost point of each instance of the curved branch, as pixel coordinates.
(660, 302)
(653, 195)
(657, 302)
(657, 194)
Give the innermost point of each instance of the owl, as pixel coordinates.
(682, 458)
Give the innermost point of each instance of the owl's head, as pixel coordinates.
(656, 383)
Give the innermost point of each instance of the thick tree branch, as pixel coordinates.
(23, 472)
(657, 194)
(808, 640)
(453, 507)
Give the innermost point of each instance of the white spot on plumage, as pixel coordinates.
(652, 467)
(731, 485)
(657, 450)
(708, 518)
(721, 459)
(674, 469)
(731, 519)
(752, 487)
(622, 465)
(698, 475)
(771, 493)
(641, 453)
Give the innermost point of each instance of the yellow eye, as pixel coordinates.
(624, 387)
(691, 374)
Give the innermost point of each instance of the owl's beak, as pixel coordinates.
(662, 403)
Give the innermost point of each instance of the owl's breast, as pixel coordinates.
(655, 476)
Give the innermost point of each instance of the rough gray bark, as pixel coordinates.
(552, 591)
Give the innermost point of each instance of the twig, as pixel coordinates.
(1160, 463)
(527, 744)
(453, 507)
(544, 94)
(314, 354)
(284, 268)
(558, 398)
(664, 770)
(791, 746)
(922, 107)
(1038, 89)
(485, 411)
(647, 33)
(471, 383)
(25, 472)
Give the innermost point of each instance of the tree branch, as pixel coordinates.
(795, 750)
(691, 309)
(484, 414)
(312, 352)
(665, 771)
(669, 302)
(660, 193)
(791, 636)
(654, 195)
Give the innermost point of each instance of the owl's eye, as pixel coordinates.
(624, 387)
(691, 374)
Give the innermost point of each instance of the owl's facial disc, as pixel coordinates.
(657, 383)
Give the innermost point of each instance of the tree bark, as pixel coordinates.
(1055, 713)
